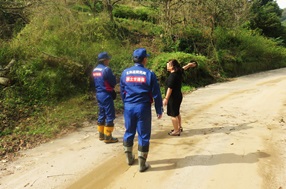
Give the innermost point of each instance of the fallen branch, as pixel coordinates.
(11, 63)
(4, 81)
(4, 72)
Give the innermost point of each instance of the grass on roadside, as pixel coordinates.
(52, 122)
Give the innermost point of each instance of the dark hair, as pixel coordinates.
(138, 60)
(193, 61)
(176, 65)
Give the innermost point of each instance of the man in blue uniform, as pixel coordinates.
(138, 88)
(105, 82)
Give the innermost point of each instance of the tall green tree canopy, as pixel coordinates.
(265, 18)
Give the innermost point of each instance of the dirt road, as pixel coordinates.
(234, 137)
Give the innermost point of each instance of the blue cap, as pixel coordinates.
(140, 53)
(103, 56)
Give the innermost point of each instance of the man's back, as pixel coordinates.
(104, 79)
(136, 82)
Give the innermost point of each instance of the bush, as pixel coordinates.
(50, 78)
(242, 52)
(188, 40)
(200, 76)
(138, 13)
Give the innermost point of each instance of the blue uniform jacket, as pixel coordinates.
(140, 85)
(104, 79)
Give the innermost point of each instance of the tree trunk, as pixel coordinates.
(109, 8)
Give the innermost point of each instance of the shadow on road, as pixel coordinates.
(206, 160)
(188, 131)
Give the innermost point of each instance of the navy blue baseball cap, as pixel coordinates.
(140, 53)
(103, 56)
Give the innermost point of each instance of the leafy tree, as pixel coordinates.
(283, 17)
(265, 17)
(199, 18)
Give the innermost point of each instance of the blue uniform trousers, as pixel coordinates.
(137, 117)
(106, 114)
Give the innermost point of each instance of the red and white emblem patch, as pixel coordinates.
(136, 79)
(97, 74)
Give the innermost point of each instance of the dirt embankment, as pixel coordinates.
(234, 137)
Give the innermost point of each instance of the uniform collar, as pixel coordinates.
(102, 64)
(138, 64)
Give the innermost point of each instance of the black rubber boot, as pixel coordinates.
(142, 157)
(129, 155)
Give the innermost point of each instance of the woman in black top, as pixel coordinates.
(174, 97)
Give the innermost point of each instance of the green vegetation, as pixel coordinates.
(45, 123)
(55, 44)
(283, 17)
